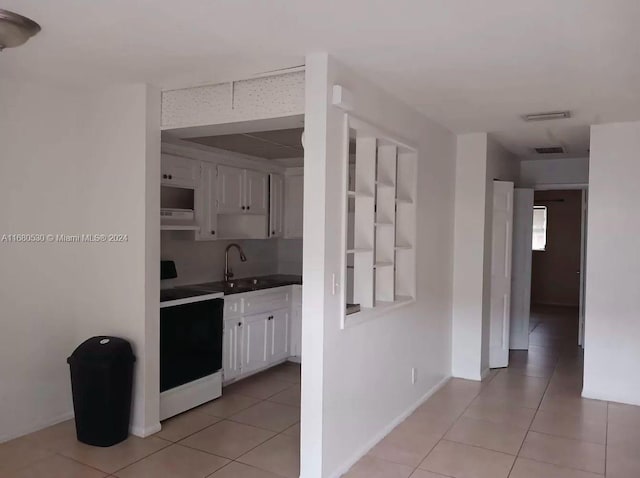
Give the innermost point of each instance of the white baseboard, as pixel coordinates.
(485, 373)
(295, 359)
(386, 430)
(34, 428)
(595, 395)
(144, 432)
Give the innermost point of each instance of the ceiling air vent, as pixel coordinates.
(550, 150)
(551, 115)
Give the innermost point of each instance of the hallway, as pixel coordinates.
(526, 421)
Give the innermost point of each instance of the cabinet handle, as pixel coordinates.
(164, 176)
(243, 208)
(170, 177)
(239, 324)
(270, 317)
(273, 233)
(248, 207)
(213, 233)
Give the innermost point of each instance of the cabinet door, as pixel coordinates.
(205, 202)
(296, 331)
(255, 342)
(276, 209)
(294, 206)
(232, 348)
(178, 172)
(230, 190)
(278, 335)
(256, 189)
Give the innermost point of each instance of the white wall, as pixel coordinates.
(75, 162)
(203, 261)
(290, 256)
(568, 171)
(612, 327)
(356, 382)
(469, 247)
(479, 160)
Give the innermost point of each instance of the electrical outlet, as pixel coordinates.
(414, 375)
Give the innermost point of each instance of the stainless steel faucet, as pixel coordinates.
(228, 273)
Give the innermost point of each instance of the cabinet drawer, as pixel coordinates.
(232, 307)
(268, 301)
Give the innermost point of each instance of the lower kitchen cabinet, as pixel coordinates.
(232, 348)
(296, 331)
(278, 335)
(254, 342)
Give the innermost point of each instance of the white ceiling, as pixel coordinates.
(470, 65)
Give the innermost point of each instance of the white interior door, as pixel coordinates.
(501, 273)
(583, 266)
(521, 269)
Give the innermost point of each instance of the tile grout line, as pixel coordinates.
(453, 424)
(555, 367)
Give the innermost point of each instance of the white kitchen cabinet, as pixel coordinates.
(254, 344)
(232, 348)
(276, 205)
(242, 191)
(294, 206)
(230, 190)
(178, 172)
(256, 330)
(256, 189)
(296, 331)
(278, 335)
(205, 203)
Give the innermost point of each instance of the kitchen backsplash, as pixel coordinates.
(203, 261)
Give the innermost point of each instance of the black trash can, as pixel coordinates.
(101, 382)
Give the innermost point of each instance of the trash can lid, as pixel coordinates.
(102, 349)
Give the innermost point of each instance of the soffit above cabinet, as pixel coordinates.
(277, 144)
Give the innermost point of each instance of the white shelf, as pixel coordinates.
(379, 265)
(359, 250)
(354, 194)
(385, 183)
(403, 247)
(383, 224)
(404, 201)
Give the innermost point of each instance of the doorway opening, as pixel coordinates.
(556, 270)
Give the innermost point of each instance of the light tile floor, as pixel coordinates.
(527, 421)
(252, 431)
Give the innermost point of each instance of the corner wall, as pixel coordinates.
(356, 382)
(612, 324)
(479, 160)
(76, 162)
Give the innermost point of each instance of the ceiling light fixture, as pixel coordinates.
(547, 116)
(15, 29)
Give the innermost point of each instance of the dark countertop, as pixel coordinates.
(234, 286)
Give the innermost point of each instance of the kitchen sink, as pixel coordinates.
(243, 284)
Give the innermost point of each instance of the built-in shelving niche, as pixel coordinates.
(380, 220)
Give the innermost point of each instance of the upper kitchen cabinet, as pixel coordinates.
(294, 205)
(205, 203)
(242, 191)
(256, 190)
(276, 205)
(231, 190)
(178, 172)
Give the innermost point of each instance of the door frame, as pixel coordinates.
(584, 187)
